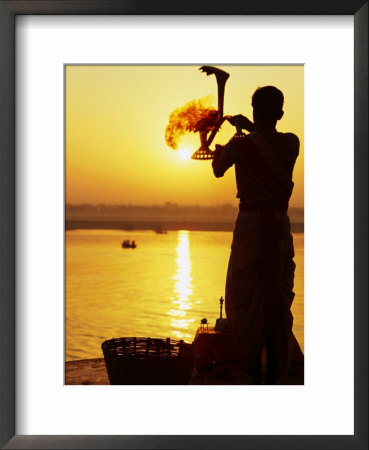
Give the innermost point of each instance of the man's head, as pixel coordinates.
(267, 103)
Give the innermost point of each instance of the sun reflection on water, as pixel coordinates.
(182, 288)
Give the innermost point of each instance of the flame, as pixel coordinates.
(195, 115)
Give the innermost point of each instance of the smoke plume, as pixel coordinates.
(196, 115)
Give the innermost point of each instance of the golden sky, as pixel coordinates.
(115, 124)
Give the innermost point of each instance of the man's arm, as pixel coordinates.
(223, 159)
(294, 143)
(226, 156)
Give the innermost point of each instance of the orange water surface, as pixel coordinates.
(162, 288)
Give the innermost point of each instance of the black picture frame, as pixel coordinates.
(8, 11)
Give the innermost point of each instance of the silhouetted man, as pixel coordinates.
(260, 277)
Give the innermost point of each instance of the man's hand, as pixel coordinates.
(242, 122)
(218, 150)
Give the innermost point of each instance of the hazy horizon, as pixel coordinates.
(167, 216)
(167, 203)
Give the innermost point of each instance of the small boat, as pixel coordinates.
(160, 230)
(128, 244)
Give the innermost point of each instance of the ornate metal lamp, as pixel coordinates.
(212, 124)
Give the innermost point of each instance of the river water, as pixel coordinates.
(162, 288)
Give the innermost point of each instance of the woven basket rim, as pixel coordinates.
(146, 348)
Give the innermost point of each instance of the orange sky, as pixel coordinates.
(115, 124)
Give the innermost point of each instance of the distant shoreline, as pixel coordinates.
(167, 217)
(157, 226)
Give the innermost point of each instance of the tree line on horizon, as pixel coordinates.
(167, 208)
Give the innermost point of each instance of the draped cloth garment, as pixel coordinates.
(260, 276)
(254, 316)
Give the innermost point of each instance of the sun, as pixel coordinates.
(184, 153)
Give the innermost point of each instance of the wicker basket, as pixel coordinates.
(131, 360)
